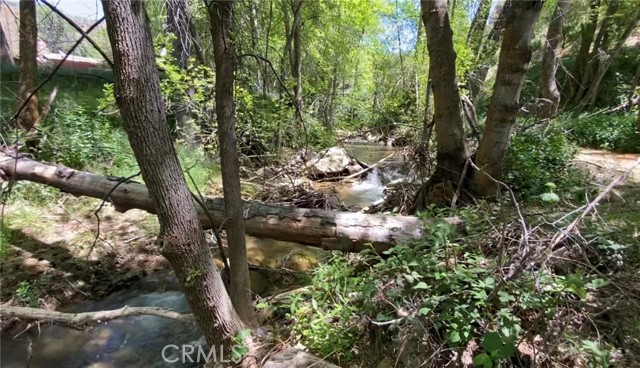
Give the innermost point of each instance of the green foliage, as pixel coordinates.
(432, 282)
(537, 158)
(27, 294)
(613, 132)
(6, 235)
(75, 137)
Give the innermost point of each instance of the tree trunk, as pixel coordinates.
(515, 55)
(296, 61)
(478, 25)
(28, 78)
(5, 53)
(346, 231)
(181, 239)
(587, 34)
(178, 20)
(607, 56)
(486, 54)
(221, 18)
(550, 60)
(451, 148)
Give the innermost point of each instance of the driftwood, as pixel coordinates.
(346, 231)
(80, 320)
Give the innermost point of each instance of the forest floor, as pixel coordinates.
(65, 254)
(56, 255)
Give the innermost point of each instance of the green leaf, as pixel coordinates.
(424, 311)
(482, 360)
(505, 297)
(421, 286)
(492, 341)
(490, 282)
(549, 197)
(597, 283)
(454, 337)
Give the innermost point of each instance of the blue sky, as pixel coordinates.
(91, 9)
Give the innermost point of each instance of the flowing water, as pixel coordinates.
(368, 190)
(138, 341)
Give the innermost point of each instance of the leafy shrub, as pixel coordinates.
(537, 158)
(449, 288)
(612, 132)
(77, 138)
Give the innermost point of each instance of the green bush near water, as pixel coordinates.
(615, 132)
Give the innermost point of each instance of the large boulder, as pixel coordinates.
(332, 162)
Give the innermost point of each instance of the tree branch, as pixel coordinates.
(80, 320)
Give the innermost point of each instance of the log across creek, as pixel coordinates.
(334, 230)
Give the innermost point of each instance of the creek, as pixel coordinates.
(139, 341)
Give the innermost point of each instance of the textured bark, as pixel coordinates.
(451, 148)
(221, 18)
(178, 21)
(550, 60)
(81, 320)
(486, 54)
(296, 60)
(28, 78)
(515, 55)
(5, 52)
(587, 34)
(181, 240)
(606, 56)
(346, 231)
(478, 25)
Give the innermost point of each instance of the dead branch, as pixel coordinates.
(80, 320)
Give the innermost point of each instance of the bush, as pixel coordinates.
(613, 132)
(433, 287)
(77, 138)
(537, 158)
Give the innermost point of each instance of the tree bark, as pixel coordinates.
(452, 151)
(181, 240)
(587, 34)
(81, 320)
(296, 61)
(346, 231)
(606, 58)
(478, 25)
(178, 23)
(486, 53)
(221, 18)
(28, 78)
(550, 60)
(5, 53)
(515, 55)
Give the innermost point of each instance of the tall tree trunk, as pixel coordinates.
(5, 53)
(451, 148)
(265, 70)
(587, 34)
(550, 60)
(28, 78)
(221, 17)
(478, 25)
(607, 56)
(486, 54)
(296, 61)
(515, 55)
(178, 19)
(600, 45)
(181, 239)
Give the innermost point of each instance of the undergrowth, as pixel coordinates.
(470, 299)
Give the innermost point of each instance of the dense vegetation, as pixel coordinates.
(542, 274)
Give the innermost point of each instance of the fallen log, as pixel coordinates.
(80, 320)
(345, 231)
